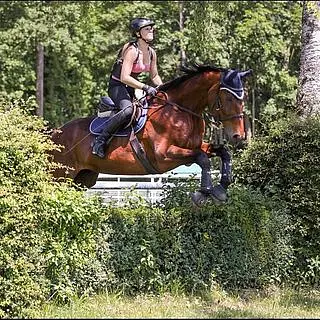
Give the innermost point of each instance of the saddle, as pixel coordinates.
(106, 109)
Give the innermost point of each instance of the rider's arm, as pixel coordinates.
(155, 78)
(127, 64)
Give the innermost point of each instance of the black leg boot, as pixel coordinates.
(100, 144)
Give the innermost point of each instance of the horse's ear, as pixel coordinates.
(245, 73)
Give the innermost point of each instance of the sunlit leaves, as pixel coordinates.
(82, 40)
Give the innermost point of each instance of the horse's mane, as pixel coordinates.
(189, 72)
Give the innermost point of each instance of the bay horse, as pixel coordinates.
(171, 136)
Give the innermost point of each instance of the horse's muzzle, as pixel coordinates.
(236, 140)
(239, 142)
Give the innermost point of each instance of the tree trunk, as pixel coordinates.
(39, 85)
(308, 96)
(181, 25)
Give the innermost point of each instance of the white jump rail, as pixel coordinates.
(117, 188)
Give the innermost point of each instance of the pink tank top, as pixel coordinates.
(139, 66)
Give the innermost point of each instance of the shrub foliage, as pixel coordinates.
(48, 231)
(56, 242)
(286, 163)
(242, 244)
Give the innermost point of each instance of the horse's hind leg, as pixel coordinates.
(86, 178)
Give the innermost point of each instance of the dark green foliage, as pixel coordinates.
(48, 232)
(242, 244)
(261, 35)
(286, 163)
(81, 41)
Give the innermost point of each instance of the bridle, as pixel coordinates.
(217, 105)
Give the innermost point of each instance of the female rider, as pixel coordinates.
(135, 57)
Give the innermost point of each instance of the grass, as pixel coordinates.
(274, 303)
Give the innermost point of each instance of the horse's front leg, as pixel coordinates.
(217, 193)
(200, 157)
(226, 166)
(206, 182)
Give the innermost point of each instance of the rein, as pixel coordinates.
(217, 136)
(218, 106)
(173, 104)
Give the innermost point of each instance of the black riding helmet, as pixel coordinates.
(138, 23)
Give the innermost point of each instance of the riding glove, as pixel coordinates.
(151, 91)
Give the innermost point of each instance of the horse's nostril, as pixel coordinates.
(236, 136)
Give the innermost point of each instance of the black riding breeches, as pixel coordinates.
(122, 96)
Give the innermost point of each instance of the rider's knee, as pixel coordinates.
(127, 111)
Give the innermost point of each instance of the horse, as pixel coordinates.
(172, 134)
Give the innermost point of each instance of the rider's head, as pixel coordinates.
(142, 28)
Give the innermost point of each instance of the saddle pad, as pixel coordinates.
(98, 124)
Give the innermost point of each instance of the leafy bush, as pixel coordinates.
(56, 242)
(49, 232)
(286, 163)
(174, 245)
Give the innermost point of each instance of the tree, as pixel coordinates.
(261, 35)
(308, 97)
(181, 24)
(39, 84)
(81, 40)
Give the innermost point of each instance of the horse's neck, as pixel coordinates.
(194, 93)
(193, 99)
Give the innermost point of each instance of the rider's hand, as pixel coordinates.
(151, 91)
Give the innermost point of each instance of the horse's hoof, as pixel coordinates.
(219, 194)
(199, 198)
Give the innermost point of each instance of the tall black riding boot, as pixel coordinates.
(100, 144)
(116, 122)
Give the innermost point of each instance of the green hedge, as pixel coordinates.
(286, 163)
(48, 232)
(56, 242)
(174, 245)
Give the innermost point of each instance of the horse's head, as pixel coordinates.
(219, 88)
(226, 104)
